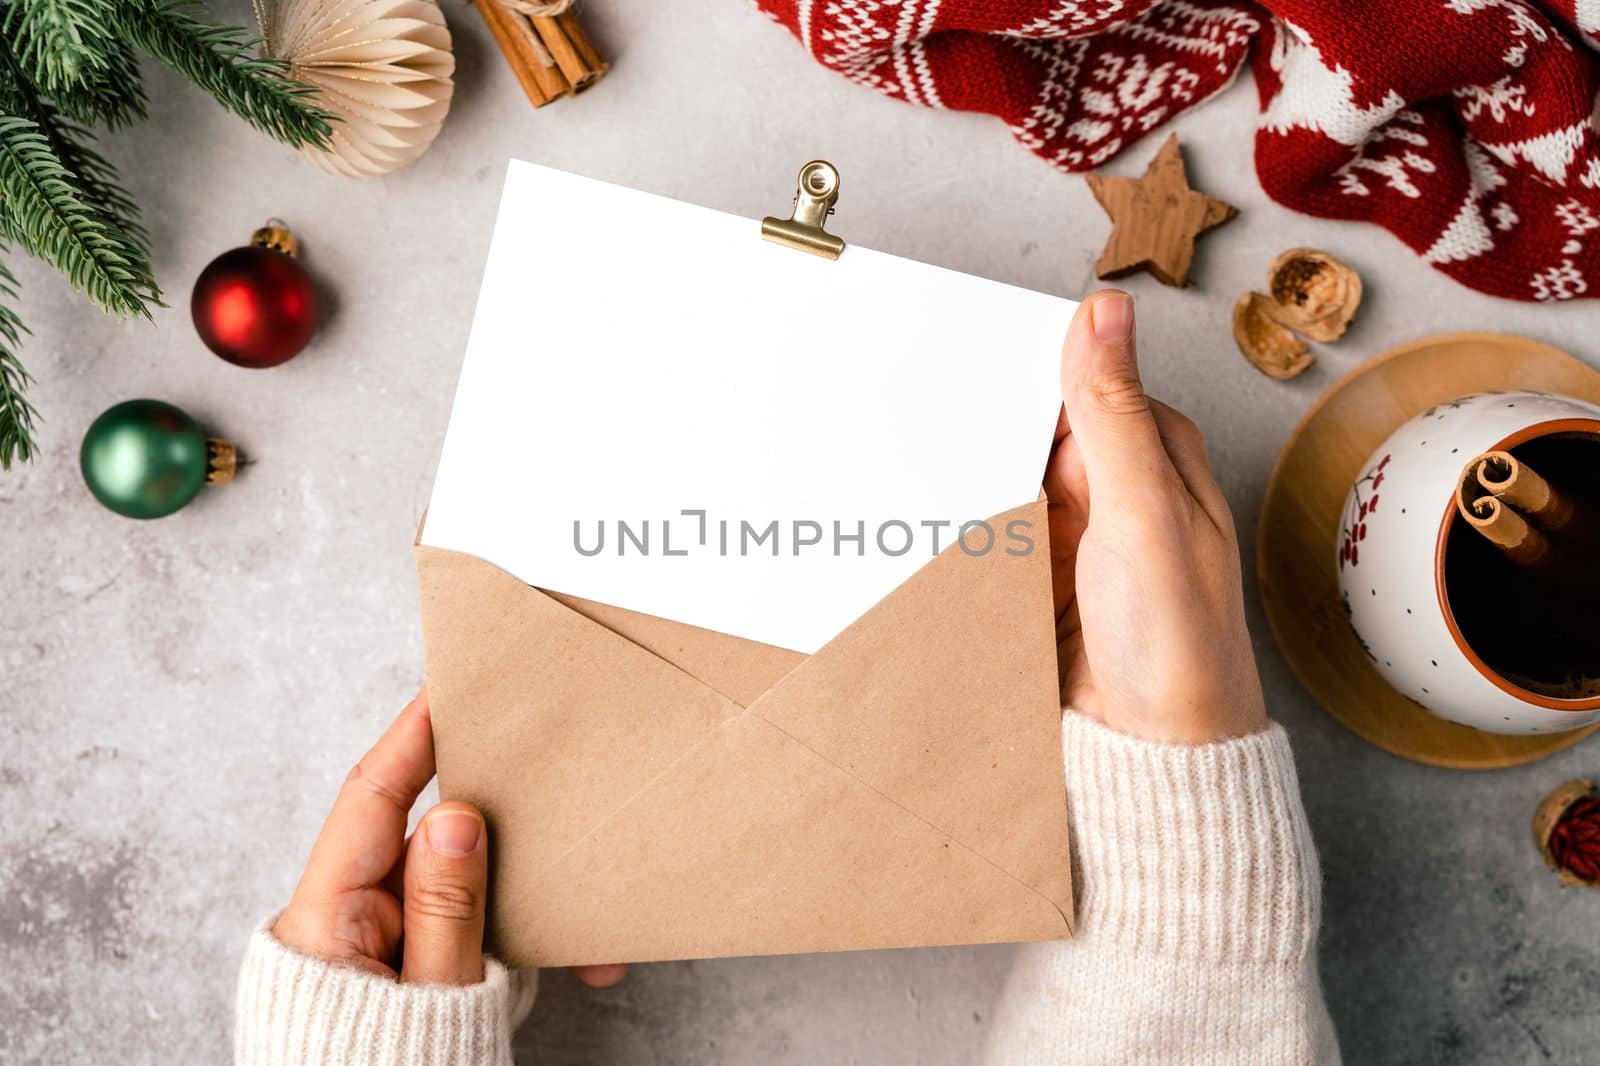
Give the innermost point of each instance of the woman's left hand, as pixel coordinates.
(371, 899)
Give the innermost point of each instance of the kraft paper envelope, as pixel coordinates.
(658, 790)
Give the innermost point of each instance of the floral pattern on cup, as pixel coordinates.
(1357, 508)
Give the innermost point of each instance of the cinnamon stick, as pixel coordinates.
(1495, 518)
(518, 51)
(1505, 476)
(1506, 529)
(550, 56)
(580, 41)
(560, 36)
(545, 72)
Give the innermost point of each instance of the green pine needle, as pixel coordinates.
(16, 413)
(59, 41)
(110, 95)
(65, 48)
(47, 212)
(97, 179)
(218, 59)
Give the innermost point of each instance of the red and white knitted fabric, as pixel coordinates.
(1465, 127)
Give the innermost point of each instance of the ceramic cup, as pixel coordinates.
(1396, 524)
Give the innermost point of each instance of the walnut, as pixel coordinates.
(1313, 293)
(1273, 350)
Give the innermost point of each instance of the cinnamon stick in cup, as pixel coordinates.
(1507, 529)
(1515, 508)
(1504, 476)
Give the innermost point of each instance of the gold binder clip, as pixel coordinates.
(816, 189)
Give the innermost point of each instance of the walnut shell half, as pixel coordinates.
(1270, 348)
(1549, 815)
(1313, 293)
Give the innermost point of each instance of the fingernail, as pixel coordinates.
(454, 832)
(1112, 317)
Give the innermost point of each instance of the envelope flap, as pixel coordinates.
(738, 668)
(528, 695)
(944, 698)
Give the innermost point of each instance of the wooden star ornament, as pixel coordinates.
(1155, 220)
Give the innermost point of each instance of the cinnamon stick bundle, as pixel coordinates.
(1501, 474)
(1515, 508)
(548, 51)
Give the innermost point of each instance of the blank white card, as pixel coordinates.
(660, 410)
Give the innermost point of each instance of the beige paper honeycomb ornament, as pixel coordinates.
(384, 67)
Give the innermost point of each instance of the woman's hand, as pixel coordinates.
(371, 899)
(1149, 604)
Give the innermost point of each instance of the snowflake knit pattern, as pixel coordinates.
(1467, 128)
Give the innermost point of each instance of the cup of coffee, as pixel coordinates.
(1469, 561)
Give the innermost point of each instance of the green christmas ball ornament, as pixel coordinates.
(147, 459)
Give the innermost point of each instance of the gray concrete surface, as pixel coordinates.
(179, 699)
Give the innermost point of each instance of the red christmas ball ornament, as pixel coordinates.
(254, 306)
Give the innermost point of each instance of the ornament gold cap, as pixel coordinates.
(275, 235)
(222, 459)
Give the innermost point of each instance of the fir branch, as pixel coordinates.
(58, 41)
(112, 95)
(219, 60)
(47, 212)
(97, 182)
(96, 178)
(16, 413)
(106, 90)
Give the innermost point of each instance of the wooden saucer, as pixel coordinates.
(1300, 520)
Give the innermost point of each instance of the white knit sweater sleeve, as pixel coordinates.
(1199, 898)
(294, 1010)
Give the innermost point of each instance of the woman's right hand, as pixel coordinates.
(1149, 603)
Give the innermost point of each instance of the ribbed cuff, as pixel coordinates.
(1190, 852)
(295, 1009)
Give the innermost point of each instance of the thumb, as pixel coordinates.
(446, 886)
(1107, 409)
